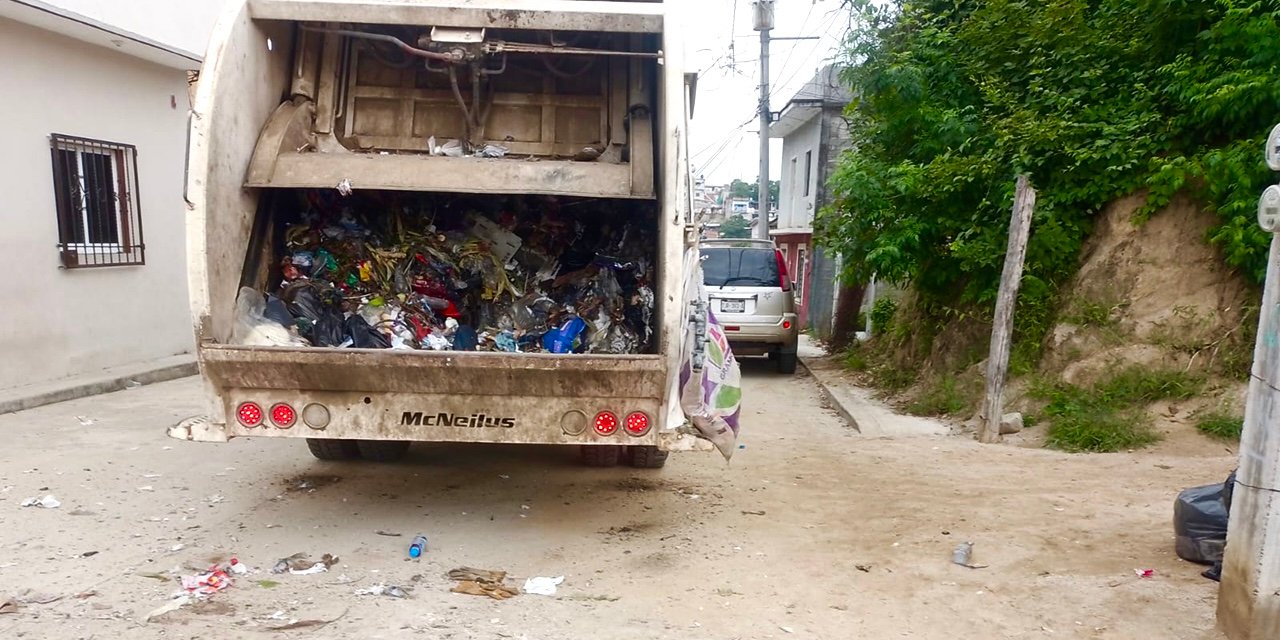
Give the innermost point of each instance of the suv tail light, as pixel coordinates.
(784, 278)
(283, 415)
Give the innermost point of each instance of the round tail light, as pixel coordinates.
(283, 415)
(249, 414)
(637, 423)
(606, 423)
(786, 324)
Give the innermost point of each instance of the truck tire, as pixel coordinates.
(607, 455)
(787, 362)
(331, 449)
(382, 450)
(648, 457)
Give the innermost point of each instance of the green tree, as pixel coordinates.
(740, 189)
(735, 227)
(1095, 99)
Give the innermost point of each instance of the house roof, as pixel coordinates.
(823, 91)
(46, 16)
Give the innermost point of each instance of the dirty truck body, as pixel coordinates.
(290, 98)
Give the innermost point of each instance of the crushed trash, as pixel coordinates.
(27, 596)
(208, 583)
(303, 624)
(299, 564)
(47, 502)
(169, 607)
(382, 590)
(389, 534)
(85, 421)
(237, 568)
(963, 554)
(8, 606)
(542, 586)
(400, 270)
(482, 582)
(1145, 573)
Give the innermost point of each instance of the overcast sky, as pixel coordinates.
(723, 142)
(728, 89)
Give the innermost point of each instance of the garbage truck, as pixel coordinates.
(449, 221)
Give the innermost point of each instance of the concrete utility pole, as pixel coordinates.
(1249, 597)
(763, 24)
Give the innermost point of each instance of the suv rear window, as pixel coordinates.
(739, 267)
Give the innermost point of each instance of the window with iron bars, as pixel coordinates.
(95, 187)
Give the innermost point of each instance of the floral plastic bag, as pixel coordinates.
(710, 380)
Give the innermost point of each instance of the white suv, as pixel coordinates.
(753, 298)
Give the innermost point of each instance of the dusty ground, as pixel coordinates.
(854, 541)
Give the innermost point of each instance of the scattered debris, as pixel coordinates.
(84, 595)
(482, 582)
(753, 513)
(88, 554)
(865, 568)
(344, 187)
(177, 547)
(47, 502)
(85, 421)
(303, 624)
(382, 590)
(1145, 573)
(154, 575)
(132, 384)
(27, 596)
(147, 488)
(81, 512)
(169, 607)
(387, 533)
(542, 586)
(267, 584)
(298, 564)
(8, 606)
(208, 583)
(786, 629)
(236, 567)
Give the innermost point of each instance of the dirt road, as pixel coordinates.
(811, 532)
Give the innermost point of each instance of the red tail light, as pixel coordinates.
(784, 278)
(249, 414)
(606, 423)
(283, 415)
(786, 324)
(637, 423)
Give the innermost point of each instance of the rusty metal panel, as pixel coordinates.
(449, 372)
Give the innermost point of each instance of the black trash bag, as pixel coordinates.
(1228, 489)
(328, 331)
(1200, 524)
(364, 336)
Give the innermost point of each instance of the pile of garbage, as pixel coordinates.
(398, 270)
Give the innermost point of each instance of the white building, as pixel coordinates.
(93, 252)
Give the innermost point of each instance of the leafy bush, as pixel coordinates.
(1109, 416)
(1221, 425)
(882, 313)
(942, 397)
(1095, 99)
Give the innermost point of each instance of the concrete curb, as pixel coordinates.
(831, 398)
(23, 398)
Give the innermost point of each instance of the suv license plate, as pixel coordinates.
(733, 306)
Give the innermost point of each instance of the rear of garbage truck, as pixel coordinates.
(442, 221)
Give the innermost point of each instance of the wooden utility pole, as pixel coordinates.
(1024, 201)
(1249, 596)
